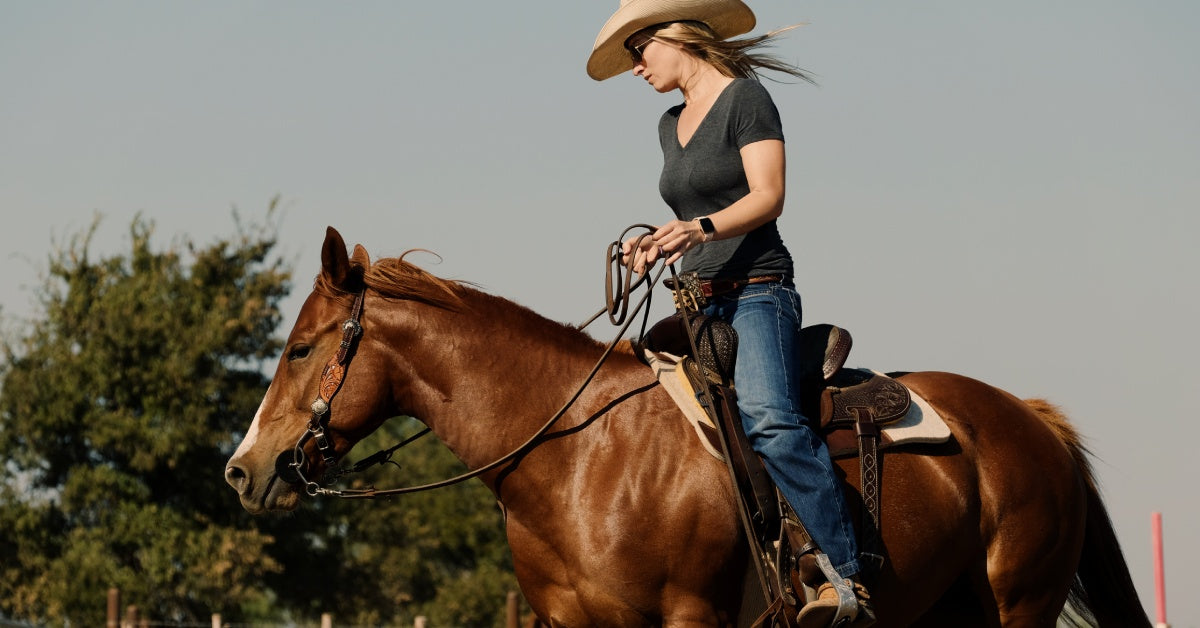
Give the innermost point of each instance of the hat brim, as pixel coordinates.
(727, 18)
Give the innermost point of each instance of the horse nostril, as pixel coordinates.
(236, 477)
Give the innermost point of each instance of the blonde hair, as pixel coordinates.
(733, 58)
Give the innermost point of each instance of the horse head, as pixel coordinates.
(315, 368)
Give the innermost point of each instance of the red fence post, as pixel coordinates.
(1160, 591)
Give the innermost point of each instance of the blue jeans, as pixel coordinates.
(767, 319)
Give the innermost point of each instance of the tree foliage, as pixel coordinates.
(119, 405)
(115, 408)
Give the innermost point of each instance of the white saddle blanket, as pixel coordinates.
(922, 424)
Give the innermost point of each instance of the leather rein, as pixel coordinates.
(618, 290)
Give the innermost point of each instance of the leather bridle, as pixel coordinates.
(332, 377)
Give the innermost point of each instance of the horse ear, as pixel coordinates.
(335, 265)
(360, 257)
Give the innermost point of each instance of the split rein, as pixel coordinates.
(619, 287)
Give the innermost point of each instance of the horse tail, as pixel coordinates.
(1102, 593)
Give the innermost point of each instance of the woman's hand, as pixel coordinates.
(676, 238)
(670, 241)
(636, 251)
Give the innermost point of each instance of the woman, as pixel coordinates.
(723, 176)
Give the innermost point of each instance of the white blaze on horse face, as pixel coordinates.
(252, 434)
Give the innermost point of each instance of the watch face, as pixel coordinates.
(706, 225)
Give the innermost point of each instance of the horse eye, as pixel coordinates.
(298, 352)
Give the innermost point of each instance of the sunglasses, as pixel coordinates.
(635, 50)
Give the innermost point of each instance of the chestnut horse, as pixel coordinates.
(618, 516)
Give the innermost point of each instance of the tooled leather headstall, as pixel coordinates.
(332, 377)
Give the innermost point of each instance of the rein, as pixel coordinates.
(616, 305)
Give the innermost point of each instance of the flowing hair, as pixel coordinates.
(734, 58)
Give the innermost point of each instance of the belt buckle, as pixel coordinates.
(688, 293)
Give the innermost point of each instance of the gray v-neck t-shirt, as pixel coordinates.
(707, 176)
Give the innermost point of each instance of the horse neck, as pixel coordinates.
(485, 378)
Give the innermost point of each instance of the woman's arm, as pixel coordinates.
(764, 164)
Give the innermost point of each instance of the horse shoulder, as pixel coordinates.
(633, 496)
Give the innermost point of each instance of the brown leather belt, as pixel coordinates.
(717, 287)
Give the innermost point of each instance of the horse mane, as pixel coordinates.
(395, 278)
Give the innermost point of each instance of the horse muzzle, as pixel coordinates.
(273, 489)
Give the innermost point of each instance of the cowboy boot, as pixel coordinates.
(839, 602)
(828, 609)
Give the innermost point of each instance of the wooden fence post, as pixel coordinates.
(216, 620)
(326, 620)
(512, 611)
(419, 621)
(131, 616)
(114, 608)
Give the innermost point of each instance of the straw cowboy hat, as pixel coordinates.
(609, 56)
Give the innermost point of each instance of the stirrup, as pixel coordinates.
(847, 609)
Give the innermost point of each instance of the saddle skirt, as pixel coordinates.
(920, 424)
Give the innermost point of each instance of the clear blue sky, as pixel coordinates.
(1009, 190)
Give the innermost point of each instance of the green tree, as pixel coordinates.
(119, 406)
(115, 409)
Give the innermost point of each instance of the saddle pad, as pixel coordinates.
(669, 372)
(922, 424)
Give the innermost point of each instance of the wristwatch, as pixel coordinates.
(707, 227)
